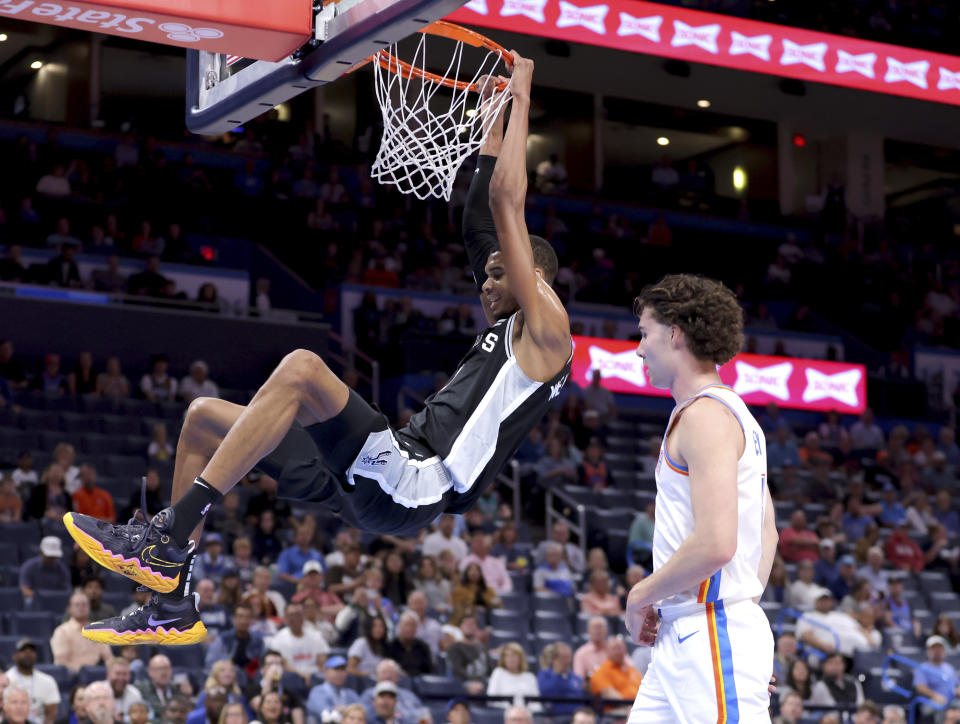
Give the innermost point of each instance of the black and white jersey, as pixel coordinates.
(480, 417)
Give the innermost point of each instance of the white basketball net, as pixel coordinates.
(426, 138)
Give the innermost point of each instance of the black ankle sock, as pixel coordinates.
(191, 509)
(185, 586)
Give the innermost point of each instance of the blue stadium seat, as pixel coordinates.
(429, 686)
(866, 660)
(943, 601)
(27, 550)
(605, 520)
(60, 674)
(49, 439)
(126, 466)
(485, 715)
(35, 624)
(137, 408)
(98, 444)
(186, 656)
(551, 602)
(94, 405)
(171, 410)
(934, 581)
(286, 588)
(20, 533)
(118, 600)
(517, 602)
(9, 578)
(53, 601)
(552, 623)
(542, 640)
(136, 444)
(9, 553)
(147, 424)
(115, 583)
(292, 682)
(89, 674)
(115, 424)
(11, 599)
(39, 420)
(499, 638)
(17, 440)
(77, 422)
(60, 403)
(7, 646)
(522, 582)
(503, 620)
(615, 499)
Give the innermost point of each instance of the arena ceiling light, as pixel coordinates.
(3, 36)
(37, 64)
(703, 103)
(663, 141)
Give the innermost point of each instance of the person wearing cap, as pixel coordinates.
(333, 692)
(938, 475)
(211, 563)
(803, 592)
(944, 512)
(311, 586)
(46, 572)
(42, 688)
(238, 644)
(902, 551)
(457, 711)
(408, 703)
(873, 571)
(857, 517)
(384, 707)
(843, 584)
(825, 569)
(291, 561)
(69, 647)
(836, 686)
(936, 678)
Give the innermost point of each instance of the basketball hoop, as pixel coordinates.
(426, 137)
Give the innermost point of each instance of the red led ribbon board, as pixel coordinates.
(791, 382)
(646, 27)
(247, 28)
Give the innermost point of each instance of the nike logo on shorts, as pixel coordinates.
(680, 639)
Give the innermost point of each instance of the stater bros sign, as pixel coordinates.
(646, 27)
(791, 382)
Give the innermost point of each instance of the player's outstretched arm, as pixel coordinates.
(544, 317)
(479, 230)
(711, 443)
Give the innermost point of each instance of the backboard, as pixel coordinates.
(224, 91)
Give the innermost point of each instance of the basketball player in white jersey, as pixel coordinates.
(715, 535)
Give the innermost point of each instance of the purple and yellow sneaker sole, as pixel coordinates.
(159, 636)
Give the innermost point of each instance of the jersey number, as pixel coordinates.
(490, 342)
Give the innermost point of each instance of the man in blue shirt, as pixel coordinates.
(46, 572)
(936, 679)
(827, 568)
(855, 520)
(782, 450)
(331, 693)
(893, 512)
(846, 577)
(899, 613)
(291, 560)
(239, 644)
(944, 514)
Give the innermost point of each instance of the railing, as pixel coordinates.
(348, 360)
(816, 624)
(578, 528)
(890, 684)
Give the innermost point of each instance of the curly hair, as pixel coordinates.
(704, 309)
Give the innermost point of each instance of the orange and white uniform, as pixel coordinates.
(713, 656)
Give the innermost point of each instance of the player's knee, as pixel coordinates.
(198, 416)
(300, 369)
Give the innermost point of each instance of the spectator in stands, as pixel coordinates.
(555, 677)
(62, 236)
(77, 705)
(551, 176)
(24, 475)
(615, 678)
(112, 382)
(16, 706)
(939, 554)
(305, 650)
(593, 471)
(493, 568)
(428, 629)
(797, 543)
(826, 569)
(846, 578)
(92, 587)
(811, 452)
(198, 383)
(397, 584)
(65, 455)
(803, 592)
(45, 572)
(947, 517)
(865, 434)
(291, 561)
(555, 468)
(896, 609)
(590, 655)
(345, 577)
(12, 268)
(598, 398)
(11, 369)
(467, 658)
(160, 450)
(384, 705)
(791, 709)
(213, 614)
(50, 381)
(262, 578)
(507, 547)
(892, 511)
(270, 681)
(784, 655)
(266, 544)
(836, 687)
(271, 710)
(110, 279)
(572, 556)
(902, 552)
(125, 694)
(83, 380)
(54, 184)
(832, 432)
(368, 650)
(42, 689)
(210, 709)
(599, 601)
(333, 692)
(443, 539)
(947, 444)
(797, 679)
(782, 450)
(893, 714)
(823, 628)
(91, 500)
(936, 679)
(158, 385)
(640, 539)
(100, 703)
(553, 575)
(944, 628)
(267, 500)
(472, 593)
(512, 677)
(858, 517)
(408, 704)
(920, 517)
(458, 711)
(239, 644)
(11, 507)
(873, 571)
(412, 654)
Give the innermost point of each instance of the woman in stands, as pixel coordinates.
(263, 613)
(113, 383)
(798, 679)
(354, 714)
(368, 650)
(944, 627)
(472, 593)
(512, 677)
(599, 601)
(233, 714)
(433, 585)
(271, 710)
(556, 678)
(397, 585)
(223, 678)
(48, 499)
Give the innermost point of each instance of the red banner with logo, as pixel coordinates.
(646, 27)
(791, 382)
(247, 28)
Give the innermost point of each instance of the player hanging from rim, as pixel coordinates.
(324, 443)
(715, 535)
